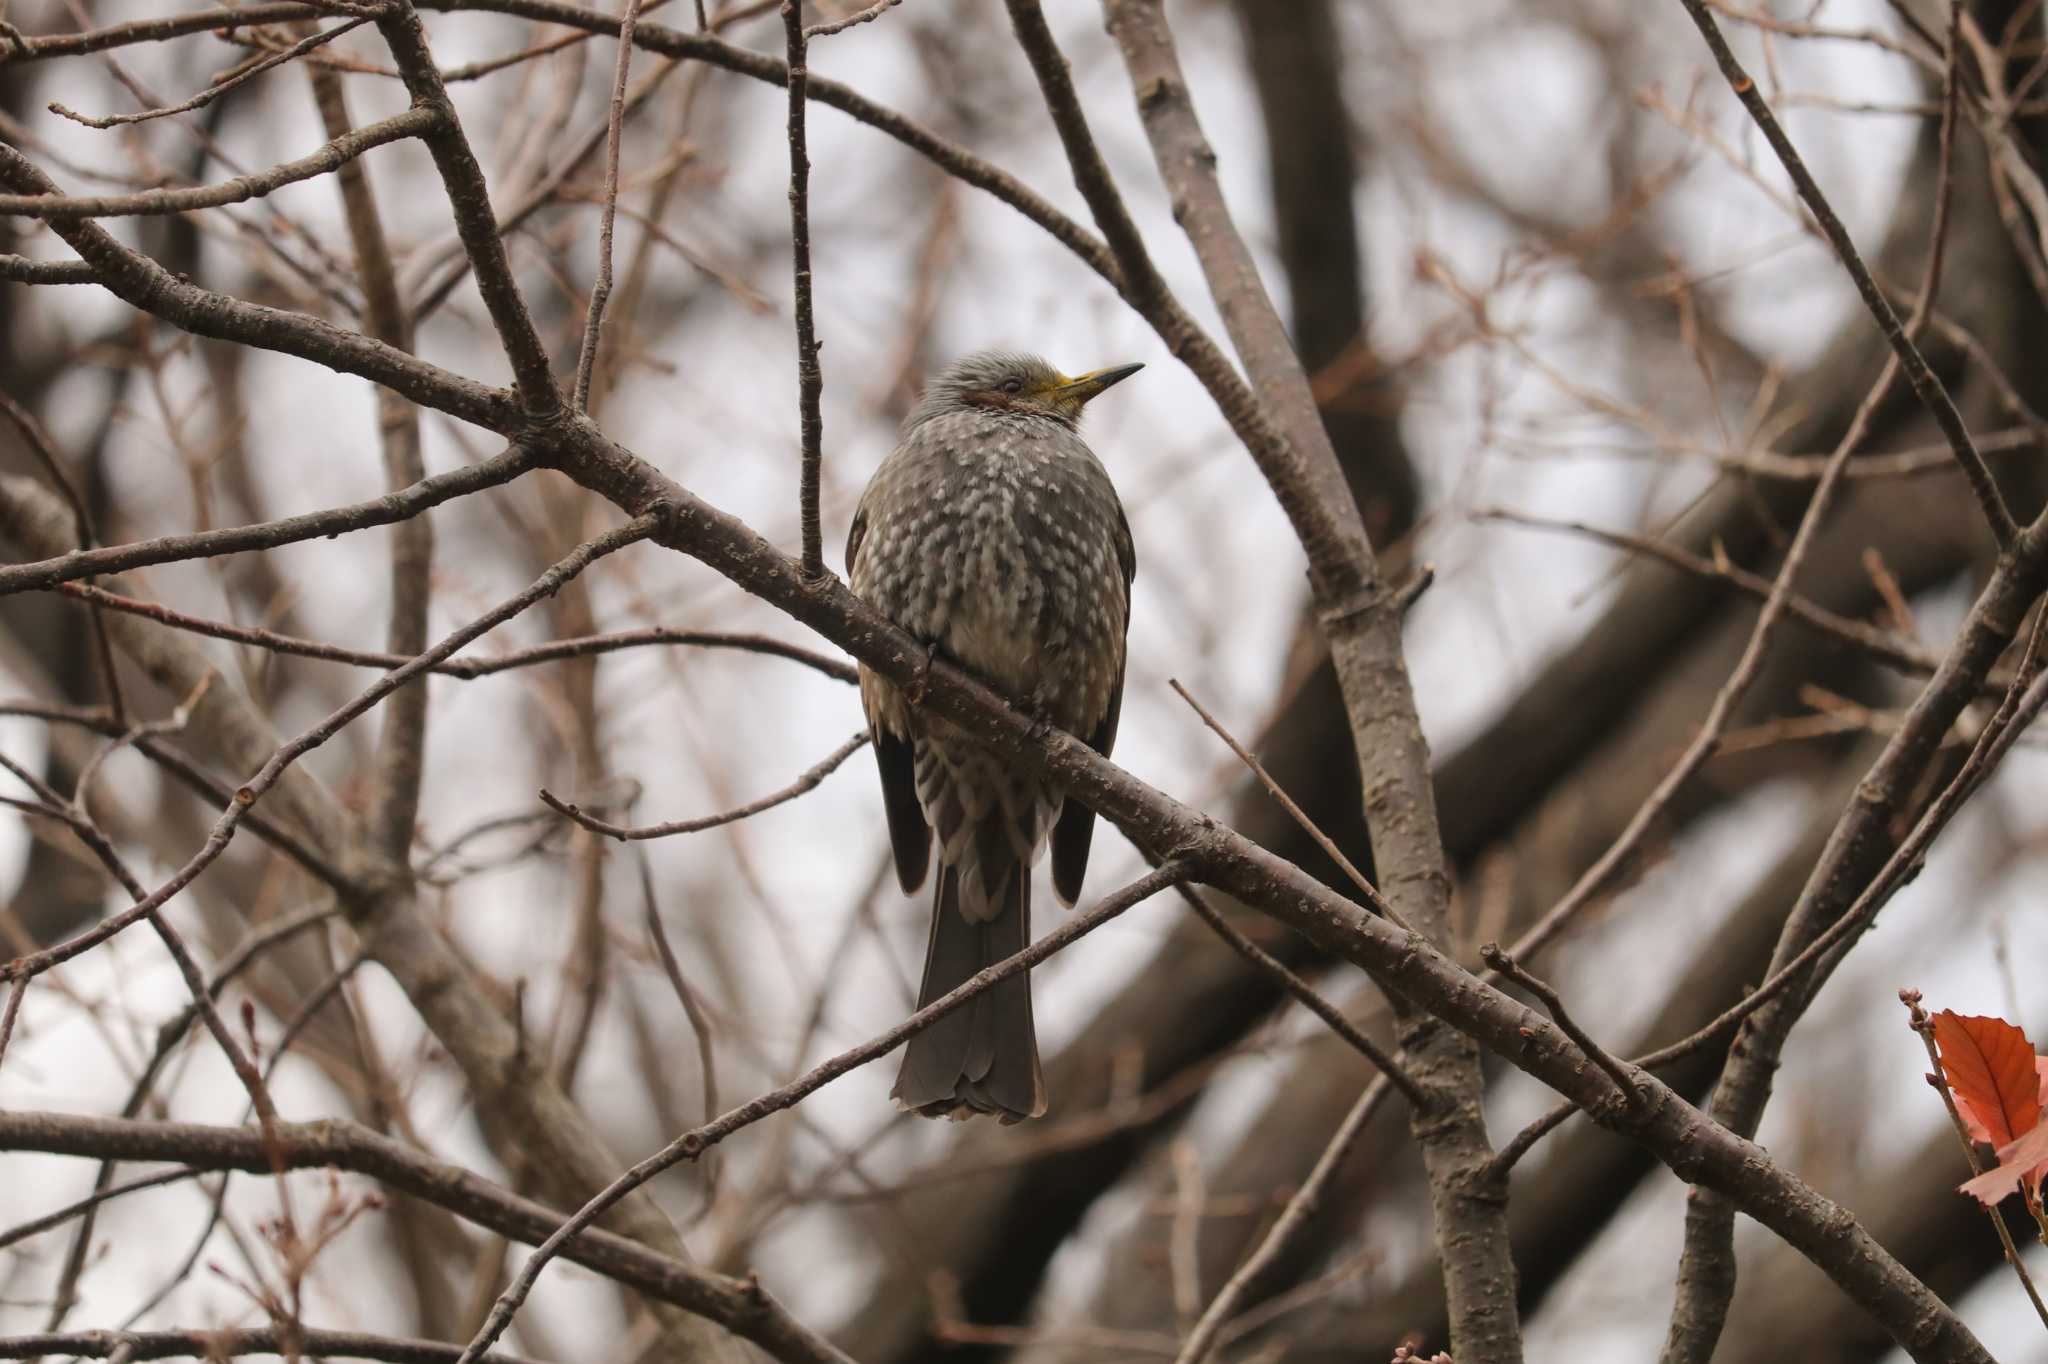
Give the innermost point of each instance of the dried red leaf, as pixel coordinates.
(1991, 1070)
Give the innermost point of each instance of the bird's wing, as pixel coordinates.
(1075, 831)
(910, 838)
(855, 533)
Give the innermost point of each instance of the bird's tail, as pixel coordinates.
(983, 1056)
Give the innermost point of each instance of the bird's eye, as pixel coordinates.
(1012, 384)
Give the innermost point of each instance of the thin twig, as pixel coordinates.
(214, 92)
(1553, 1004)
(1748, 667)
(51, 805)
(1294, 811)
(1888, 646)
(36, 1226)
(744, 1306)
(810, 380)
(213, 1343)
(626, 832)
(11, 1014)
(601, 292)
(1306, 994)
(417, 122)
(872, 12)
(464, 669)
(381, 511)
(2023, 703)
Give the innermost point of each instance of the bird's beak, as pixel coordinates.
(1078, 391)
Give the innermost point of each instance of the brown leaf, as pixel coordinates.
(2025, 1159)
(1991, 1071)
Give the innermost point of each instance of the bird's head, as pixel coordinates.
(1004, 381)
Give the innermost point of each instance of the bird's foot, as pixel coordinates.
(920, 681)
(1037, 712)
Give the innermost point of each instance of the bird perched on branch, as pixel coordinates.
(992, 533)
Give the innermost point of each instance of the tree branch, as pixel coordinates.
(740, 1305)
(810, 382)
(224, 1343)
(1361, 621)
(392, 507)
(816, 773)
(53, 207)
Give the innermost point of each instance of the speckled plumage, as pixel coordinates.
(993, 532)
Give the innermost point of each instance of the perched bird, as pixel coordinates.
(992, 533)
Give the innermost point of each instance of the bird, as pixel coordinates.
(993, 535)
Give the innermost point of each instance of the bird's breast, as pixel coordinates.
(1003, 550)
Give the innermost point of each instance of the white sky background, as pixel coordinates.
(1219, 583)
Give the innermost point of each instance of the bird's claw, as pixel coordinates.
(920, 681)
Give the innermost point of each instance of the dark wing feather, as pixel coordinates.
(1075, 831)
(1076, 828)
(855, 533)
(909, 836)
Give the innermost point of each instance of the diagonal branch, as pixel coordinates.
(393, 507)
(340, 152)
(627, 833)
(741, 1305)
(215, 1344)
(464, 669)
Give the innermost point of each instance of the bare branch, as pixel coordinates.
(215, 1343)
(1306, 994)
(601, 291)
(741, 1305)
(624, 833)
(861, 16)
(809, 381)
(416, 122)
(215, 91)
(393, 507)
(465, 669)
